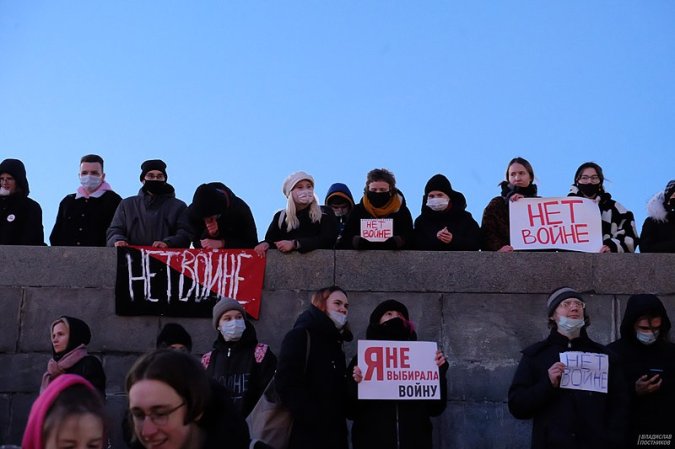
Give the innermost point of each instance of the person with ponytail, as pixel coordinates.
(619, 234)
(393, 424)
(303, 225)
(70, 337)
(518, 183)
(381, 199)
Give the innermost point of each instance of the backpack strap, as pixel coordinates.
(260, 351)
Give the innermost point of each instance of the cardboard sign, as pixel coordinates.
(568, 223)
(586, 371)
(186, 282)
(377, 229)
(398, 370)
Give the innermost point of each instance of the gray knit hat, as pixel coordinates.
(293, 179)
(559, 296)
(225, 305)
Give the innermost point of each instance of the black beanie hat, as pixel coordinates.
(173, 333)
(208, 201)
(440, 183)
(384, 307)
(153, 164)
(668, 192)
(18, 171)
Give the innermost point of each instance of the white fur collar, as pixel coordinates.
(656, 209)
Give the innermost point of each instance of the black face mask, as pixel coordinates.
(393, 329)
(589, 190)
(156, 187)
(378, 199)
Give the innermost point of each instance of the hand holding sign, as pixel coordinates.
(377, 229)
(588, 371)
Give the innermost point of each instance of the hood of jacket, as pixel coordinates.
(641, 305)
(341, 190)
(18, 171)
(656, 208)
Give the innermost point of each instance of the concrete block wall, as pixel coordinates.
(482, 308)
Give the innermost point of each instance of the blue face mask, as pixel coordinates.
(647, 338)
(232, 330)
(570, 326)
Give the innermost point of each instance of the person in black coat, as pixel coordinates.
(381, 199)
(303, 225)
(84, 216)
(220, 219)
(20, 216)
(238, 361)
(648, 361)
(339, 198)
(445, 224)
(70, 337)
(313, 386)
(658, 230)
(562, 417)
(393, 424)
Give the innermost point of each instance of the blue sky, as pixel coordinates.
(246, 92)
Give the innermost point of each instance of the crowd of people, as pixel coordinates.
(174, 401)
(217, 218)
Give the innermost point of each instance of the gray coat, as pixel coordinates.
(144, 219)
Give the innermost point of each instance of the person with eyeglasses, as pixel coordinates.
(174, 405)
(648, 361)
(154, 217)
(20, 216)
(619, 234)
(563, 417)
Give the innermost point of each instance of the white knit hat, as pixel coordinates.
(293, 179)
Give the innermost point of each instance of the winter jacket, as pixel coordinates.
(658, 230)
(91, 369)
(235, 222)
(466, 234)
(342, 191)
(309, 235)
(244, 367)
(403, 228)
(20, 221)
(650, 413)
(316, 392)
(495, 225)
(618, 224)
(564, 418)
(144, 218)
(84, 221)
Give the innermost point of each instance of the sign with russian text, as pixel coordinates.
(398, 370)
(586, 371)
(568, 223)
(186, 282)
(377, 229)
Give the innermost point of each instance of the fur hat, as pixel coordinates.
(153, 164)
(440, 183)
(225, 305)
(559, 296)
(174, 333)
(18, 171)
(386, 306)
(293, 179)
(208, 201)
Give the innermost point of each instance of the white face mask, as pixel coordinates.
(4, 192)
(570, 326)
(232, 330)
(90, 182)
(303, 196)
(438, 204)
(339, 319)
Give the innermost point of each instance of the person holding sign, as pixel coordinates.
(445, 224)
(658, 230)
(381, 220)
(304, 225)
(648, 361)
(570, 385)
(311, 374)
(619, 234)
(519, 183)
(393, 424)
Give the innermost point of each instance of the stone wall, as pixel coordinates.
(482, 308)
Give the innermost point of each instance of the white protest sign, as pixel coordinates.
(398, 370)
(568, 223)
(377, 229)
(586, 371)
